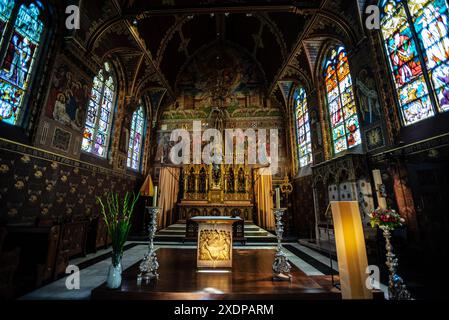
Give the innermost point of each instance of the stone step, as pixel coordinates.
(176, 232)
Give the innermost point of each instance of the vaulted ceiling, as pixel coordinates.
(154, 40)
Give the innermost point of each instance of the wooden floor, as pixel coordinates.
(251, 278)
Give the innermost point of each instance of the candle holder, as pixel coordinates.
(281, 266)
(149, 266)
(396, 287)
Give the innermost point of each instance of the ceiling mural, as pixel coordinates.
(220, 77)
(156, 40)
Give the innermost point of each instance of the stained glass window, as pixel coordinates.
(304, 142)
(416, 39)
(99, 113)
(136, 139)
(25, 30)
(344, 121)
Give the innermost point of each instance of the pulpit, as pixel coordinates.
(214, 241)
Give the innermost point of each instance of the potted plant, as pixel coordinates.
(117, 214)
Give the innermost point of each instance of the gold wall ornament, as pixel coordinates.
(12, 212)
(54, 165)
(32, 198)
(73, 187)
(64, 178)
(76, 170)
(50, 185)
(81, 198)
(60, 197)
(45, 208)
(4, 168)
(286, 186)
(19, 185)
(38, 174)
(25, 159)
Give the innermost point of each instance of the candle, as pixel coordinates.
(155, 197)
(377, 176)
(278, 199)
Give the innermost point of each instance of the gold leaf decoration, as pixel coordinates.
(38, 174)
(25, 159)
(13, 212)
(19, 185)
(4, 168)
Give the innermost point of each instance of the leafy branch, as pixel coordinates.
(117, 216)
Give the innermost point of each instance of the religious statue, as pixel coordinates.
(218, 118)
(191, 181)
(241, 181)
(203, 181)
(231, 180)
(368, 98)
(216, 175)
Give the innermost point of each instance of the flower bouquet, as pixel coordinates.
(386, 219)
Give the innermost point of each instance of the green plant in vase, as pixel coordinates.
(388, 220)
(117, 214)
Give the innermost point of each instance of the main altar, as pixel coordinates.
(217, 190)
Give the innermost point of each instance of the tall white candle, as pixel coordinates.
(155, 197)
(278, 199)
(378, 183)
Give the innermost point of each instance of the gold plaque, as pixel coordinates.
(214, 246)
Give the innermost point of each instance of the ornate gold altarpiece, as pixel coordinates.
(217, 190)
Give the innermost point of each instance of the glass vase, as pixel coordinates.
(114, 280)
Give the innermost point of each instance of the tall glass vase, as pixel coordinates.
(114, 280)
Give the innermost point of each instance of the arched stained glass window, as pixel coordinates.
(304, 141)
(416, 39)
(136, 139)
(98, 124)
(21, 32)
(344, 121)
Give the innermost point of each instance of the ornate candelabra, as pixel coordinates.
(281, 266)
(396, 287)
(149, 266)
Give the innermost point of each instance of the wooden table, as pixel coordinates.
(251, 278)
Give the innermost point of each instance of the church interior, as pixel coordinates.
(118, 180)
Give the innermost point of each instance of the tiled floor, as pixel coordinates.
(94, 275)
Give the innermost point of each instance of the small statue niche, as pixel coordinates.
(231, 180)
(203, 181)
(191, 181)
(241, 181)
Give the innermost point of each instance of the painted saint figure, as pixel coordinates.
(19, 65)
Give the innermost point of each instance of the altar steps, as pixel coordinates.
(176, 232)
